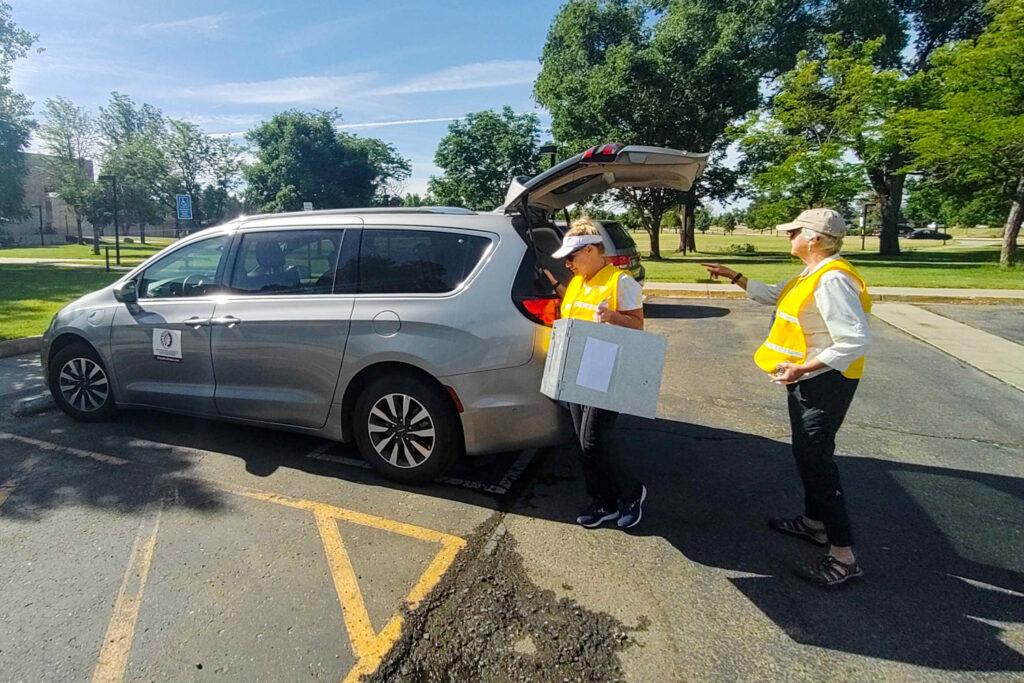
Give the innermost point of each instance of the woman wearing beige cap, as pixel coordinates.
(816, 349)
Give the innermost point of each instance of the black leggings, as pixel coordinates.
(817, 407)
(609, 479)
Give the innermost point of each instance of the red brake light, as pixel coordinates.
(543, 311)
(589, 153)
(608, 150)
(619, 261)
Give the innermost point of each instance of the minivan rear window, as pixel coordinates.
(620, 238)
(416, 261)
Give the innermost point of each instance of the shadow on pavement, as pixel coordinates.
(682, 311)
(942, 547)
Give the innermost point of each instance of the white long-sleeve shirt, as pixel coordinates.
(836, 326)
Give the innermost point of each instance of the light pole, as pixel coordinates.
(112, 179)
(864, 224)
(42, 240)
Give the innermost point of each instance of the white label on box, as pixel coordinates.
(597, 364)
(167, 345)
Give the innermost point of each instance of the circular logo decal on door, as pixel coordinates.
(166, 340)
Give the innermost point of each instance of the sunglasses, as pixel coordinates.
(576, 253)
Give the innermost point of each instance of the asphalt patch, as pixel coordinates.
(488, 621)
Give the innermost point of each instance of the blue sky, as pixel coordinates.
(397, 70)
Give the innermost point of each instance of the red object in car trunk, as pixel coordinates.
(543, 311)
(619, 261)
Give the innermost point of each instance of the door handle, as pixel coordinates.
(226, 321)
(196, 322)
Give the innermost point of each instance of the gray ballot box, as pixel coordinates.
(606, 366)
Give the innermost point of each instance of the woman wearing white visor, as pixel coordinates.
(816, 349)
(600, 292)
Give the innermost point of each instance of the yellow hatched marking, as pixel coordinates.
(117, 644)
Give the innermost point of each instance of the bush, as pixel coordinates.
(745, 248)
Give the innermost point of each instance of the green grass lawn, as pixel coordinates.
(131, 254)
(923, 263)
(31, 294)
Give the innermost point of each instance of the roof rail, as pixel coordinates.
(451, 210)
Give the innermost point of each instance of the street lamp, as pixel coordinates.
(112, 179)
(42, 240)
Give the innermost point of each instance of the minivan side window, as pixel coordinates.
(186, 272)
(416, 261)
(287, 262)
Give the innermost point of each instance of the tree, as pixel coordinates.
(413, 200)
(16, 123)
(703, 219)
(122, 121)
(189, 153)
(973, 130)
(392, 169)
(670, 74)
(480, 156)
(68, 134)
(301, 157)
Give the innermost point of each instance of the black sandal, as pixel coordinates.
(830, 572)
(796, 526)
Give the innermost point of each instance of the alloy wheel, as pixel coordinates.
(83, 384)
(401, 430)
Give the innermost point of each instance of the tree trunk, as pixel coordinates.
(78, 224)
(654, 230)
(889, 189)
(142, 233)
(1008, 254)
(690, 222)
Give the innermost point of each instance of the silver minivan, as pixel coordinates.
(420, 334)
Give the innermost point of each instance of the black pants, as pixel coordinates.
(608, 477)
(817, 407)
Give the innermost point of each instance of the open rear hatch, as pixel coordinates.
(603, 168)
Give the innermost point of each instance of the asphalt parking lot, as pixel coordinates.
(159, 547)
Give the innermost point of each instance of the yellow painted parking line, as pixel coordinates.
(117, 643)
(369, 647)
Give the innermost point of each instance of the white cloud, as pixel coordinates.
(208, 24)
(403, 122)
(296, 90)
(468, 77)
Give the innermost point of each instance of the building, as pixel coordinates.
(59, 224)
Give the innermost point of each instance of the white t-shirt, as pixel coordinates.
(630, 294)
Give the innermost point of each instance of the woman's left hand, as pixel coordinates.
(786, 373)
(604, 314)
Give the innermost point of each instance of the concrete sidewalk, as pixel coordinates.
(993, 355)
(906, 294)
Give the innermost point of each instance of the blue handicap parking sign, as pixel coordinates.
(184, 203)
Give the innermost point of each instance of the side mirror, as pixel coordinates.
(126, 292)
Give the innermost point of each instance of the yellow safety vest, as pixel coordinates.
(786, 341)
(582, 298)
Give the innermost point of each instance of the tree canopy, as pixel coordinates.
(302, 157)
(16, 121)
(481, 154)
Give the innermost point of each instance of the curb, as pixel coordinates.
(17, 347)
(33, 404)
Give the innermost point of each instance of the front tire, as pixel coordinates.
(80, 384)
(406, 429)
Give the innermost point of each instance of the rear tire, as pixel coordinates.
(406, 429)
(80, 384)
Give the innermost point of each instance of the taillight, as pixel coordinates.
(619, 261)
(602, 152)
(541, 311)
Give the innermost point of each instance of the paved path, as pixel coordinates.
(991, 354)
(920, 294)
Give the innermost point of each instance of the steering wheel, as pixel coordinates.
(184, 283)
